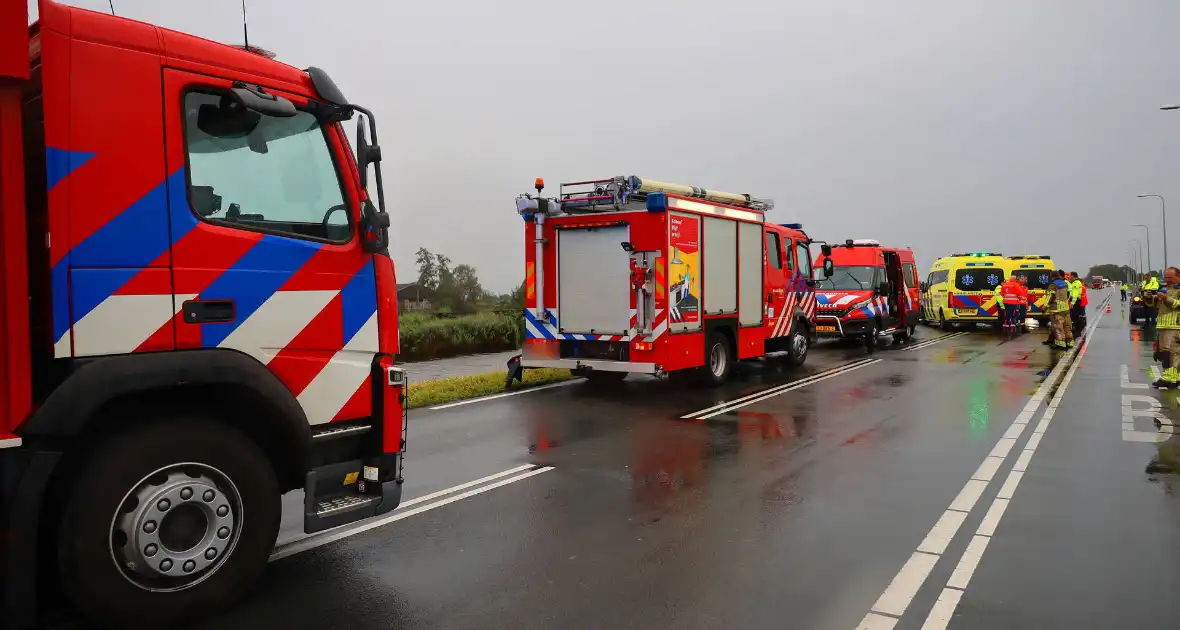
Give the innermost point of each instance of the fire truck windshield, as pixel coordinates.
(847, 278)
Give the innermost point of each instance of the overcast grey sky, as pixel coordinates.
(1020, 126)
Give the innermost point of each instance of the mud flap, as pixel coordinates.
(515, 372)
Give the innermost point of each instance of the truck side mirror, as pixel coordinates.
(883, 288)
(825, 249)
(829, 267)
(923, 287)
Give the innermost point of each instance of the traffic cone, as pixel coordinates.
(1107, 308)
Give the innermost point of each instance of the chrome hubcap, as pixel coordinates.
(799, 344)
(176, 527)
(717, 360)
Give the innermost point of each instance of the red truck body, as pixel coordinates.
(653, 282)
(196, 300)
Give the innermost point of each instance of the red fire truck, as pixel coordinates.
(873, 291)
(635, 275)
(197, 314)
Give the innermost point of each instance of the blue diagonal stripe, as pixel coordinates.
(59, 163)
(253, 279)
(358, 299)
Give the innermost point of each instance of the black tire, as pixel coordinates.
(798, 345)
(602, 377)
(942, 323)
(120, 465)
(871, 338)
(715, 375)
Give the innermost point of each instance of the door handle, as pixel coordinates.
(209, 311)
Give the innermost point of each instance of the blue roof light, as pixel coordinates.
(793, 226)
(657, 202)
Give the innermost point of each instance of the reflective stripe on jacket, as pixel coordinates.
(1011, 292)
(1168, 316)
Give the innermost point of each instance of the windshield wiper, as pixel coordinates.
(858, 282)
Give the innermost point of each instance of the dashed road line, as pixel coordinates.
(319, 540)
(931, 342)
(940, 615)
(893, 602)
(745, 401)
(796, 383)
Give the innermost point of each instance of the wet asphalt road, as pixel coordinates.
(808, 506)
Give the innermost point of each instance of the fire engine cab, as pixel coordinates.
(872, 291)
(627, 274)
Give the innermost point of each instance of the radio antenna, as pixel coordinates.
(245, 31)
(112, 3)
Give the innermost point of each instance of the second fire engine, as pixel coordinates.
(626, 274)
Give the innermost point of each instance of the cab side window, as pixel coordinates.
(263, 173)
(773, 251)
(910, 274)
(804, 255)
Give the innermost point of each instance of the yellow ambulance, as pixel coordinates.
(961, 289)
(1038, 269)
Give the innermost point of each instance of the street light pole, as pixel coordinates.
(1163, 218)
(1139, 259)
(1146, 231)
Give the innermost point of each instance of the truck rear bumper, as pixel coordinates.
(592, 364)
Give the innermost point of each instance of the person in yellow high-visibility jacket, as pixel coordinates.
(1147, 290)
(1168, 325)
(1058, 311)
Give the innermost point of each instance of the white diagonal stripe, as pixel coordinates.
(281, 317)
(338, 381)
(121, 322)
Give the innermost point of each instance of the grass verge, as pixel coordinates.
(441, 391)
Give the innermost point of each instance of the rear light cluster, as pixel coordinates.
(642, 346)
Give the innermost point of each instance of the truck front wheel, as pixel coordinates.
(168, 522)
(799, 344)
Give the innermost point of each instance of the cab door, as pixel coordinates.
(265, 254)
(778, 268)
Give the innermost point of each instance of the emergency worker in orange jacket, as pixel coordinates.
(1011, 295)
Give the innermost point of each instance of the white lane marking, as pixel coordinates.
(1022, 461)
(943, 531)
(968, 496)
(1035, 440)
(905, 584)
(805, 379)
(992, 518)
(1015, 430)
(1002, 448)
(504, 395)
(931, 342)
(463, 486)
(948, 600)
(873, 621)
(940, 615)
(1125, 379)
(311, 542)
(988, 468)
(896, 604)
(779, 392)
(1010, 484)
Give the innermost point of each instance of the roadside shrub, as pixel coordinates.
(424, 338)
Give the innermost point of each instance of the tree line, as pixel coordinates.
(1121, 273)
(456, 289)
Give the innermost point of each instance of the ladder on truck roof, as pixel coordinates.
(628, 192)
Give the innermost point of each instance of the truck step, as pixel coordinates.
(338, 494)
(342, 502)
(331, 433)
